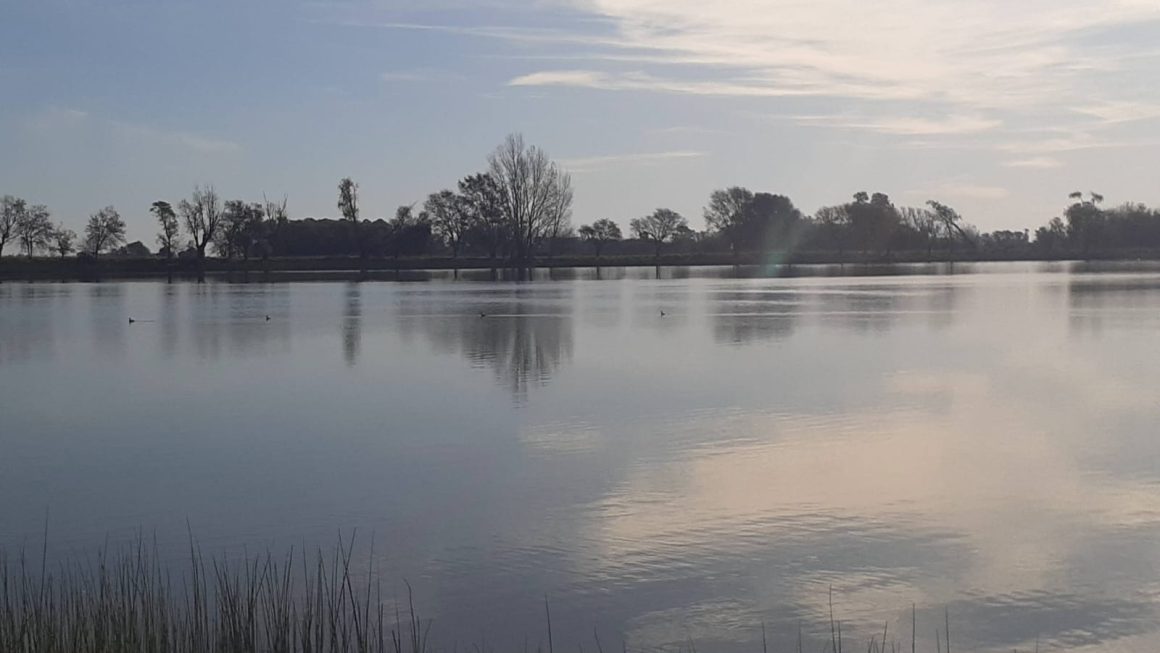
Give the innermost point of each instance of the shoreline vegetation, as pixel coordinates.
(126, 600)
(517, 216)
(771, 264)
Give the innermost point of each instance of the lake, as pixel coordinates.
(669, 460)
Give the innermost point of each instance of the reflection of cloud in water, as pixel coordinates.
(986, 487)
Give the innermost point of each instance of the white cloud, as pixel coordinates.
(906, 126)
(1117, 112)
(1040, 162)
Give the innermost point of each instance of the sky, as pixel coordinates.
(995, 107)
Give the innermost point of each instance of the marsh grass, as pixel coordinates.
(128, 601)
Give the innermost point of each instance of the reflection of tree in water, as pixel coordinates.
(523, 341)
(167, 318)
(236, 314)
(107, 313)
(27, 316)
(745, 316)
(352, 323)
(1097, 303)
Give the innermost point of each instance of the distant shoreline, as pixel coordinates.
(19, 268)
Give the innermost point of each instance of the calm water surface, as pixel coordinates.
(984, 443)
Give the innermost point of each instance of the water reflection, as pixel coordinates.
(522, 334)
(983, 443)
(745, 316)
(28, 331)
(108, 318)
(352, 323)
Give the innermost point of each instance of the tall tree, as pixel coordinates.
(483, 200)
(12, 210)
(105, 230)
(661, 226)
(63, 241)
(170, 230)
(348, 206)
(1085, 220)
(34, 229)
(950, 221)
(240, 229)
(600, 233)
(537, 194)
(276, 218)
(873, 220)
(728, 213)
(202, 216)
(834, 223)
(450, 218)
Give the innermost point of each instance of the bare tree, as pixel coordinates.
(450, 218)
(105, 230)
(34, 229)
(12, 210)
(925, 223)
(660, 227)
(170, 230)
(536, 194)
(950, 219)
(276, 218)
(63, 241)
(202, 215)
(348, 206)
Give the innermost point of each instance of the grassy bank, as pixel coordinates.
(85, 268)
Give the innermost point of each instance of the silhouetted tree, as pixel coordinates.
(169, 231)
(1085, 220)
(923, 223)
(950, 220)
(63, 241)
(202, 216)
(450, 218)
(348, 206)
(537, 194)
(12, 210)
(241, 229)
(600, 233)
(277, 216)
(105, 230)
(410, 234)
(483, 201)
(661, 226)
(34, 229)
(728, 213)
(873, 220)
(833, 222)
(773, 222)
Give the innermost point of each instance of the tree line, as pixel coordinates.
(519, 209)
